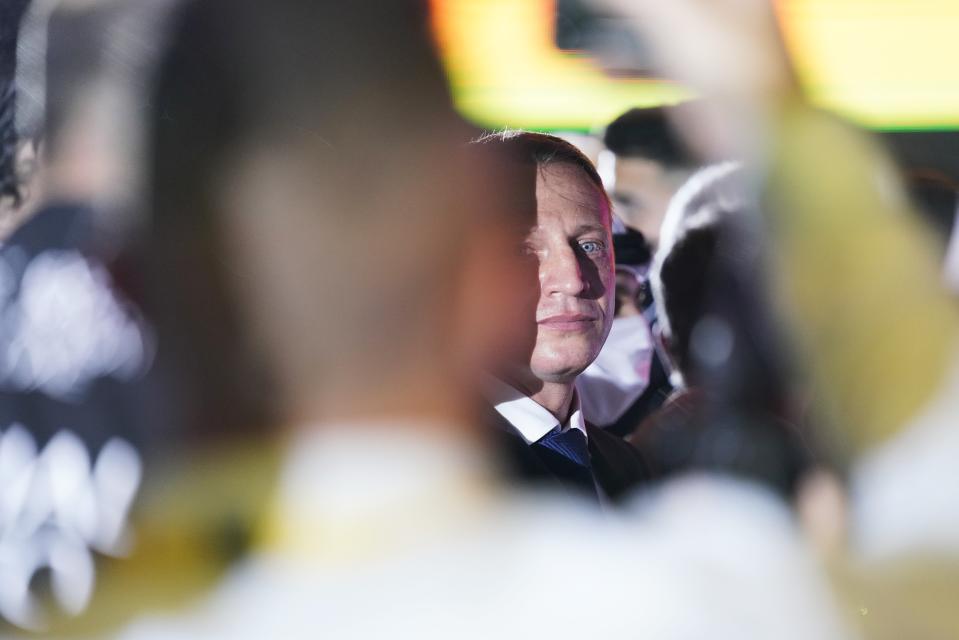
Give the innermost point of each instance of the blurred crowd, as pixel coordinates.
(289, 348)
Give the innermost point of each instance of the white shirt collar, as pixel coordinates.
(531, 420)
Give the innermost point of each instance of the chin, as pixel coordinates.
(562, 360)
(560, 372)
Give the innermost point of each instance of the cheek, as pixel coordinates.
(607, 276)
(607, 301)
(566, 354)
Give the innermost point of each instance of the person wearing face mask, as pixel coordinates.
(616, 383)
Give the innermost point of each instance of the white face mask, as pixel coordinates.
(620, 373)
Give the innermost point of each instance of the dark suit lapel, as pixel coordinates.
(517, 456)
(617, 466)
(534, 466)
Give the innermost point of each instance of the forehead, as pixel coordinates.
(565, 196)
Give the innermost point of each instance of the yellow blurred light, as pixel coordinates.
(505, 69)
(883, 63)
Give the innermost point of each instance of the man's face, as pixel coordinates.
(573, 247)
(642, 193)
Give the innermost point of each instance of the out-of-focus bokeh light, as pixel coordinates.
(65, 328)
(506, 70)
(885, 64)
(55, 510)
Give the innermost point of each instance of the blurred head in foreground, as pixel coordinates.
(651, 164)
(570, 305)
(326, 247)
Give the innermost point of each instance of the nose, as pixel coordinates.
(561, 273)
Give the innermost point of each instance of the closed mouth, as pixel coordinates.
(567, 321)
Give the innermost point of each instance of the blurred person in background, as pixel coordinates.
(881, 348)
(705, 253)
(651, 162)
(629, 380)
(546, 435)
(75, 408)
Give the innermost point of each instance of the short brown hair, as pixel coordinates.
(541, 149)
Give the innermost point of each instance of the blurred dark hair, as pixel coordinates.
(631, 248)
(542, 149)
(701, 237)
(709, 275)
(689, 433)
(11, 11)
(739, 412)
(685, 277)
(9, 178)
(647, 133)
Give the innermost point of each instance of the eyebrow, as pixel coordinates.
(586, 228)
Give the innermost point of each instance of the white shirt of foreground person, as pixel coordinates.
(620, 373)
(905, 492)
(381, 533)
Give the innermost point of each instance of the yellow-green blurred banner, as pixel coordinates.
(886, 64)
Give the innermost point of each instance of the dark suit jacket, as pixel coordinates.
(616, 466)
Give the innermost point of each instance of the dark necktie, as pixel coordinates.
(571, 444)
(566, 455)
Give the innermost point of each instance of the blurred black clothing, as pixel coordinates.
(692, 432)
(616, 467)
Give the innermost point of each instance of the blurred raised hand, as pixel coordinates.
(728, 49)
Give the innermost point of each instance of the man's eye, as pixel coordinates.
(592, 247)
